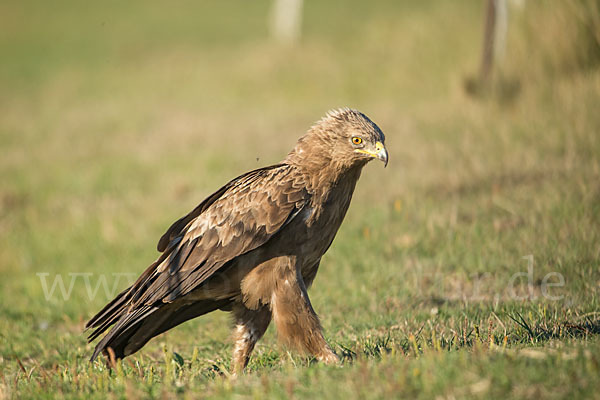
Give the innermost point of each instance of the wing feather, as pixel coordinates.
(241, 216)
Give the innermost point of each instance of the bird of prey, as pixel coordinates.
(251, 248)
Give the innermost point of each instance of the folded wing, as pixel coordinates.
(238, 218)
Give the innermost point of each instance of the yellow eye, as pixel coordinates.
(356, 140)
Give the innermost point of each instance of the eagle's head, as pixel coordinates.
(345, 138)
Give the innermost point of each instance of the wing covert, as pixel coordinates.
(239, 217)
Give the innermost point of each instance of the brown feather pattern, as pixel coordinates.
(252, 247)
(225, 229)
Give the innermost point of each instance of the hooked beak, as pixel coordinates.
(380, 153)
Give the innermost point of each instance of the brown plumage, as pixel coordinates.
(252, 248)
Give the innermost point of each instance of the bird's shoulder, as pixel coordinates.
(261, 197)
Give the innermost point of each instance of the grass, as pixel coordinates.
(468, 268)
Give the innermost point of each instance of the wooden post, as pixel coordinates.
(286, 18)
(494, 48)
(494, 38)
(487, 55)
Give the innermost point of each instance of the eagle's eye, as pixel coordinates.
(356, 140)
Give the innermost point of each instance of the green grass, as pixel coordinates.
(117, 118)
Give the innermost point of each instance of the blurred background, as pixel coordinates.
(119, 117)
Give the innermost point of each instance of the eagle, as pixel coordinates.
(252, 248)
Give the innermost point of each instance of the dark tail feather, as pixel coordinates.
(108, 315)
(134, 329)
(121, 333)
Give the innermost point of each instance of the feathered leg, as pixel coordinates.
(250, 326)
(296, 320)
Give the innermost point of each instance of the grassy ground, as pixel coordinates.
(468, 268)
